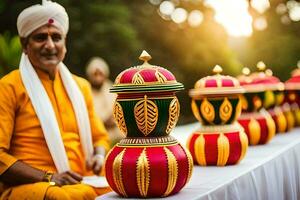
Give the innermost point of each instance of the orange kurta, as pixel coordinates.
(21, 136)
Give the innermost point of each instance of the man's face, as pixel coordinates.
(97, 78)
(46, 47)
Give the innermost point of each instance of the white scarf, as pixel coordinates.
(43, 108)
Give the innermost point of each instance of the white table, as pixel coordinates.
(269, 171)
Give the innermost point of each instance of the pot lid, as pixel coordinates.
(216, 85)
(145, 78)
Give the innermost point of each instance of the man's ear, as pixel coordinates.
(24, 42)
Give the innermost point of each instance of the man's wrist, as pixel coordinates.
(48, 178)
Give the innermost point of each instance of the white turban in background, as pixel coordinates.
(97, 63)
(38, 15)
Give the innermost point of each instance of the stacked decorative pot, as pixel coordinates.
(292, 89)
(256, 121)
(216, 103)
(148, 162)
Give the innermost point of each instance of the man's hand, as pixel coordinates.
(97, 161)
(66, 178)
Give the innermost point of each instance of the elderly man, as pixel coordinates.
(49, 134)
(97, 72)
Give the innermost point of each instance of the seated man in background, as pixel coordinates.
(49, 133)
(97, 72)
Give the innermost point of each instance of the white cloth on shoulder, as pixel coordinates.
(44, 110)
(38, 15)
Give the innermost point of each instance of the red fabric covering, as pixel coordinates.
(211, 148)
(235, 148)
(227, 83)
(211, 83)
(128, 75)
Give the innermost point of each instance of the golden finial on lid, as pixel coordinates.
(261, 66)
(145, 56)
(246, 71)
(269, 72)
(217, 69)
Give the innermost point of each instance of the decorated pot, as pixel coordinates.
(216, 100)
(259, 126)
(148, 162)
(292, 91)
(216, 103)
(218, 145)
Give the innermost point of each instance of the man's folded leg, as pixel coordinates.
(41, 190)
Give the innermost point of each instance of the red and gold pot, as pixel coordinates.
(259, 126)
(216, 103)
(148, 162)
(218, 145)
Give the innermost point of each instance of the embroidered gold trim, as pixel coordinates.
(223, 150)
(174, 110)
(143, 173)
(149, 141)
(146, 115)
(200, 150)
(119, 117)
(244, 144)
(207, 110)
(160, 77)
(195, 110)
(238, 109)
(225, 110)
(138, 79)
(172, 171)
(117, 173)
(190, 163)
(254, 131)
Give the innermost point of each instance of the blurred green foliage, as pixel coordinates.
(119, 30)
(10, 52)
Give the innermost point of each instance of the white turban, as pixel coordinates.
(97, 63)
(38, 15)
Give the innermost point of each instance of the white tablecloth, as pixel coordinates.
(269, 171)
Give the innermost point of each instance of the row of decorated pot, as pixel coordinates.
(151, 163)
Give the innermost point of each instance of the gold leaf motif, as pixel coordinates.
(207, 110)
(244, 144)
(160, 77)
(190, 163)
(223, 150)
(238, 109)
(254, 131)
(174, 110)
(146, 115)
(119, 117)
(172, 171)
(138, 79)
(143, 173)
(200, 150)
(195, 110)
(225, 110)
(117, 175)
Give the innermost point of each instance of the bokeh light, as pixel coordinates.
(233, 15)
(260, 23)
(260, 5)
(281, 9)
(195, 18)
(166, 8)
(179, 15)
